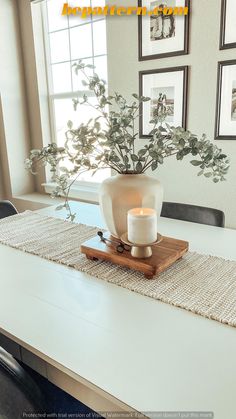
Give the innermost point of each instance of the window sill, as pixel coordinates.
(33, 201)
(84, 191)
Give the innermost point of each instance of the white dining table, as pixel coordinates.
(113, 349)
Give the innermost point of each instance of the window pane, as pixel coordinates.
(101, 67)
(55, 19)
(72, 38)
(59, 46)
(81, 42)
(77, 79)
(61, 74)
(99, 37)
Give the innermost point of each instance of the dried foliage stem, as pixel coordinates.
(109, 140)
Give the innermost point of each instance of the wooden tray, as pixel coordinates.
(164, 254)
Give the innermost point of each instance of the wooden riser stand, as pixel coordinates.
(164, 254)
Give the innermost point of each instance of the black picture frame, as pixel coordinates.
(218, 136)
(184, 51)
(223, 45)
(185, 70)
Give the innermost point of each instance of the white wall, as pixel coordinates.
(14, 132)
(2, 192)
(2, 187)
(35, 77)
(179, 178)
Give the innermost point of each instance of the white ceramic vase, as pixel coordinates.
(118, 194)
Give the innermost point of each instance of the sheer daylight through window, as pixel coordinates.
(68, 39)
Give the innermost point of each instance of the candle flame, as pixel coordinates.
(141, 212)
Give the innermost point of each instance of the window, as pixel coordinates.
(67, 39)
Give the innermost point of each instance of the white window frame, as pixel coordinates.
(83, 190)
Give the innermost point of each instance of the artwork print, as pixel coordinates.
(162, 27)
(162, 101)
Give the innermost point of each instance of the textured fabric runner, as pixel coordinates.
(203, 284)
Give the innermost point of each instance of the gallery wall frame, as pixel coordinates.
(225, 121)
(227, 25)
(169, 84)
(175, 42)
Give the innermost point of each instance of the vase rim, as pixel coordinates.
(130, 174)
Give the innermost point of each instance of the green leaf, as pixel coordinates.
(126, 160)
(196, 162)
(114, 158)
(162, 129)
(208, 174)
(119, 140)
(135, 96)
(154, 165)
(70, 124)
(72, 217)
(153, 154)
(142, 152)
(160, 159)
(179, 155)
(139, 167)
(145, 99)
(60, 207)
(194, 151)
(134, 157)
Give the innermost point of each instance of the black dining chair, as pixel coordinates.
(7, 209)
(193, 213)
(57, 400)
(18, 391)
(24, 390)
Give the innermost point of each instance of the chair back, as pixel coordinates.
(193, 213)
(19, 393)
(7, 209)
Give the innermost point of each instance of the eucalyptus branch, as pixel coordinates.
(93, 146)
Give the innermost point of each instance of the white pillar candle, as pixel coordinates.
(142, 226)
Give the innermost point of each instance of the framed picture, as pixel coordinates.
(167, 88)
(228, 19)
(162, 35)
(225, 128)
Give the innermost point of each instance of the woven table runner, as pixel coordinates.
(203, 284)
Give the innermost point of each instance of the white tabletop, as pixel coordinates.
(150, 355)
